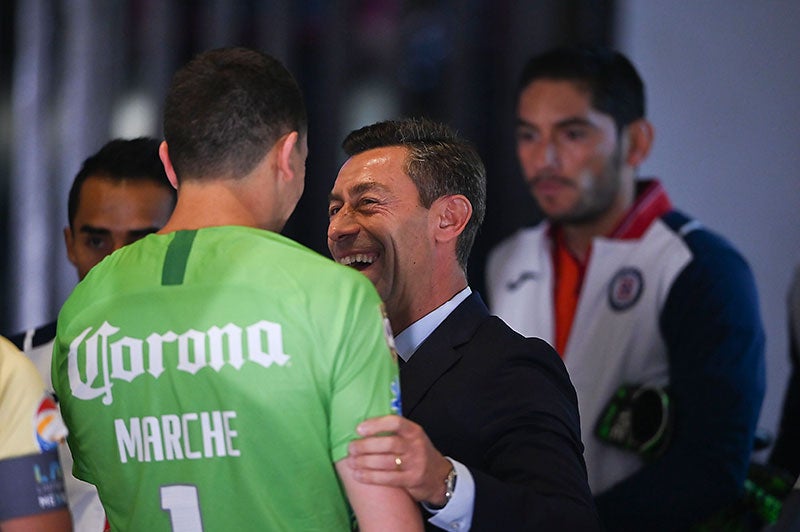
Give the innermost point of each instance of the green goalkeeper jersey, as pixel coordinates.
(211, 378)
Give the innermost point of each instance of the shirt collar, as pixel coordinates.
(412, 337)
(651, 202)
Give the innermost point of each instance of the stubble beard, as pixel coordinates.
(595, 200)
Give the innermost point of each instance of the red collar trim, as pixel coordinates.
(651, 203)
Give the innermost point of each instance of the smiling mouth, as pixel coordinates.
(359, 261)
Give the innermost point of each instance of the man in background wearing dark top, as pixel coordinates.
(656, 316)
(786, 453)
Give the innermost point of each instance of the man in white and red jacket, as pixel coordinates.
(634, 295)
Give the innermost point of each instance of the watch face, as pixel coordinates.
(450, 483)
(449, 487)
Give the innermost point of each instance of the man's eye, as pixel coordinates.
(575, 134)
(332, 210)
(95, 242)
(524, 135)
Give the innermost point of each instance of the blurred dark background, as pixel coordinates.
(75, 74)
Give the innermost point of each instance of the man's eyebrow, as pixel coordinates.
(567, 122)
(139, 233)
(92, 230)
(522, 123)
(358, 188)
(575, 121)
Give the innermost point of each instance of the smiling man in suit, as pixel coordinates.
(491, 437)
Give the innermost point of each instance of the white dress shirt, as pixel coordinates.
(457, 513)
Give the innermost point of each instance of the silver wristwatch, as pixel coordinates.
(450, 485)
(449, 488)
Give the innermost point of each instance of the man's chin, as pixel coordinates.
(371, 273)
(555, 208)
(374, 277)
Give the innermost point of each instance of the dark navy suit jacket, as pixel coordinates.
(504, 406)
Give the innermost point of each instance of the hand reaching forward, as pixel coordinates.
(395, 451)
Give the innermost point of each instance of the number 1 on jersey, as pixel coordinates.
(183, 505)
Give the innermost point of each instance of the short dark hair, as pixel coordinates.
(121, 160)
(439, 162)
(225, 109)
(612, 81)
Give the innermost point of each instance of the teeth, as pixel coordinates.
(347, 261)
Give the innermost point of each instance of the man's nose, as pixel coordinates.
(546, 156)
(117, 243)
(341, 225)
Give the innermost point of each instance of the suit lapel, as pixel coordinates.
(439, 352)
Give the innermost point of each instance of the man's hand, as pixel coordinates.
(394, 451)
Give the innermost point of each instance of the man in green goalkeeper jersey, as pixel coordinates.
(213, 374)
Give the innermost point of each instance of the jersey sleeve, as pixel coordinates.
(21, 394)
(31, 481)
(365, 380)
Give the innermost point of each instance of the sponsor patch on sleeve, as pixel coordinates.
(31, 485)
(49, 427)
(397, 401)
(387, 333)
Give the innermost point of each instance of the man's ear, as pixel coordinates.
(69, 243)
(452, 213)
(285, 147)
(163, 153)
(640, 139)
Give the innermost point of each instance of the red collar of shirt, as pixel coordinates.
(651, 203)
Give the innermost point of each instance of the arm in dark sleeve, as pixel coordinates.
(715, 340)
(533, 475)
(785, 454)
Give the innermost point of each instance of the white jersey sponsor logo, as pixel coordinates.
(107, 358)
